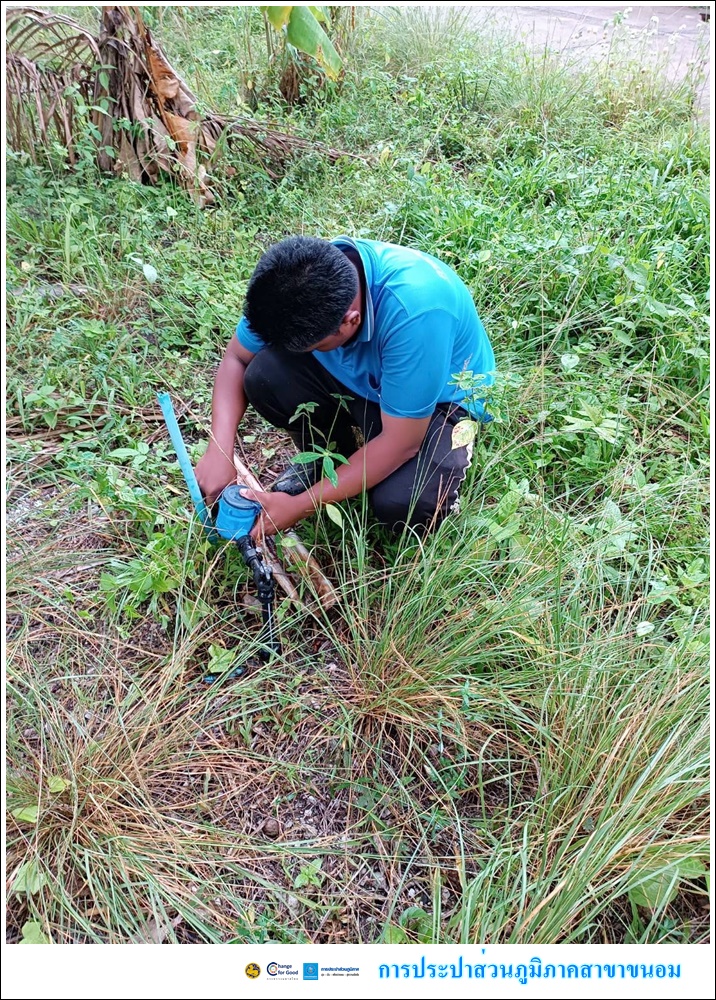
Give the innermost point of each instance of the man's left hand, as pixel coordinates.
(279, 512)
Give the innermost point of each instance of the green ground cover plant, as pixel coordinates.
(501, 734)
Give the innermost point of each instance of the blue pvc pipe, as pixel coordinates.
(186, 466)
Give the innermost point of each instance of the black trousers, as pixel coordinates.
(420, 493)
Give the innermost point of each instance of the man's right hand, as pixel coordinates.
(214, 472)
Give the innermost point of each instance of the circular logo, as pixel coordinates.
(272, 969)
(252, 970)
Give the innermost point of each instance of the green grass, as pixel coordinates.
(501, 733)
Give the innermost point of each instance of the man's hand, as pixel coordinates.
(214, 471)
(280, 511)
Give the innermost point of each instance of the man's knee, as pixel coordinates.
(421, 504)
(389, 509)
(396, 510)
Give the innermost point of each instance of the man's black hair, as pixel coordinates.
(299, 292)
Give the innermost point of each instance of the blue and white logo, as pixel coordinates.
(310, 970)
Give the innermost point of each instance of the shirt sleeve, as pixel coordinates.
(415, 363)
(247, 338)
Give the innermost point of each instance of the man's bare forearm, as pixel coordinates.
(399, 441)
(367, 467)
(228, 403)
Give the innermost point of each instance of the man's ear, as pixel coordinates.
(351, 321)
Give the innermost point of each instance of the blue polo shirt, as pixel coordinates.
(420, 330)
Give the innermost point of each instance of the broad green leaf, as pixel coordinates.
(57, 785)
(574, 425)
(694, 573)
(637, 273)
(32, 933)
(310, 874)
(414, 916)
(500, 532)
(150, 273)
(692, 868)
(519, 545)
(639, 477)
(415, 919)
(509, 504)
(658, 308)
(662, 888)
(29, 879)
(655, 892)
(278, 16)
(335, 514)
(302, 408)
(463, 434)
(484, 548)
(626, 323)
(304, 31)
(483, 256)
(569, 361)
(25, 814)
(623, 338)
(644, 628)
(220, 659)
(307, 456)
(329, 470)
(395, 935)
(321, 14)
(606, 434)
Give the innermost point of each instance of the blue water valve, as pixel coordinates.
(237, 514)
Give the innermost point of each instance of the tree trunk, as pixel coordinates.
(143, 119)
(152, 111)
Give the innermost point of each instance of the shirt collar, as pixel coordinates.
(368, 325)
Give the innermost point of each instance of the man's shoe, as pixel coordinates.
(298, 478)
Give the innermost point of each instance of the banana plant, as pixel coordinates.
(301, 27)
